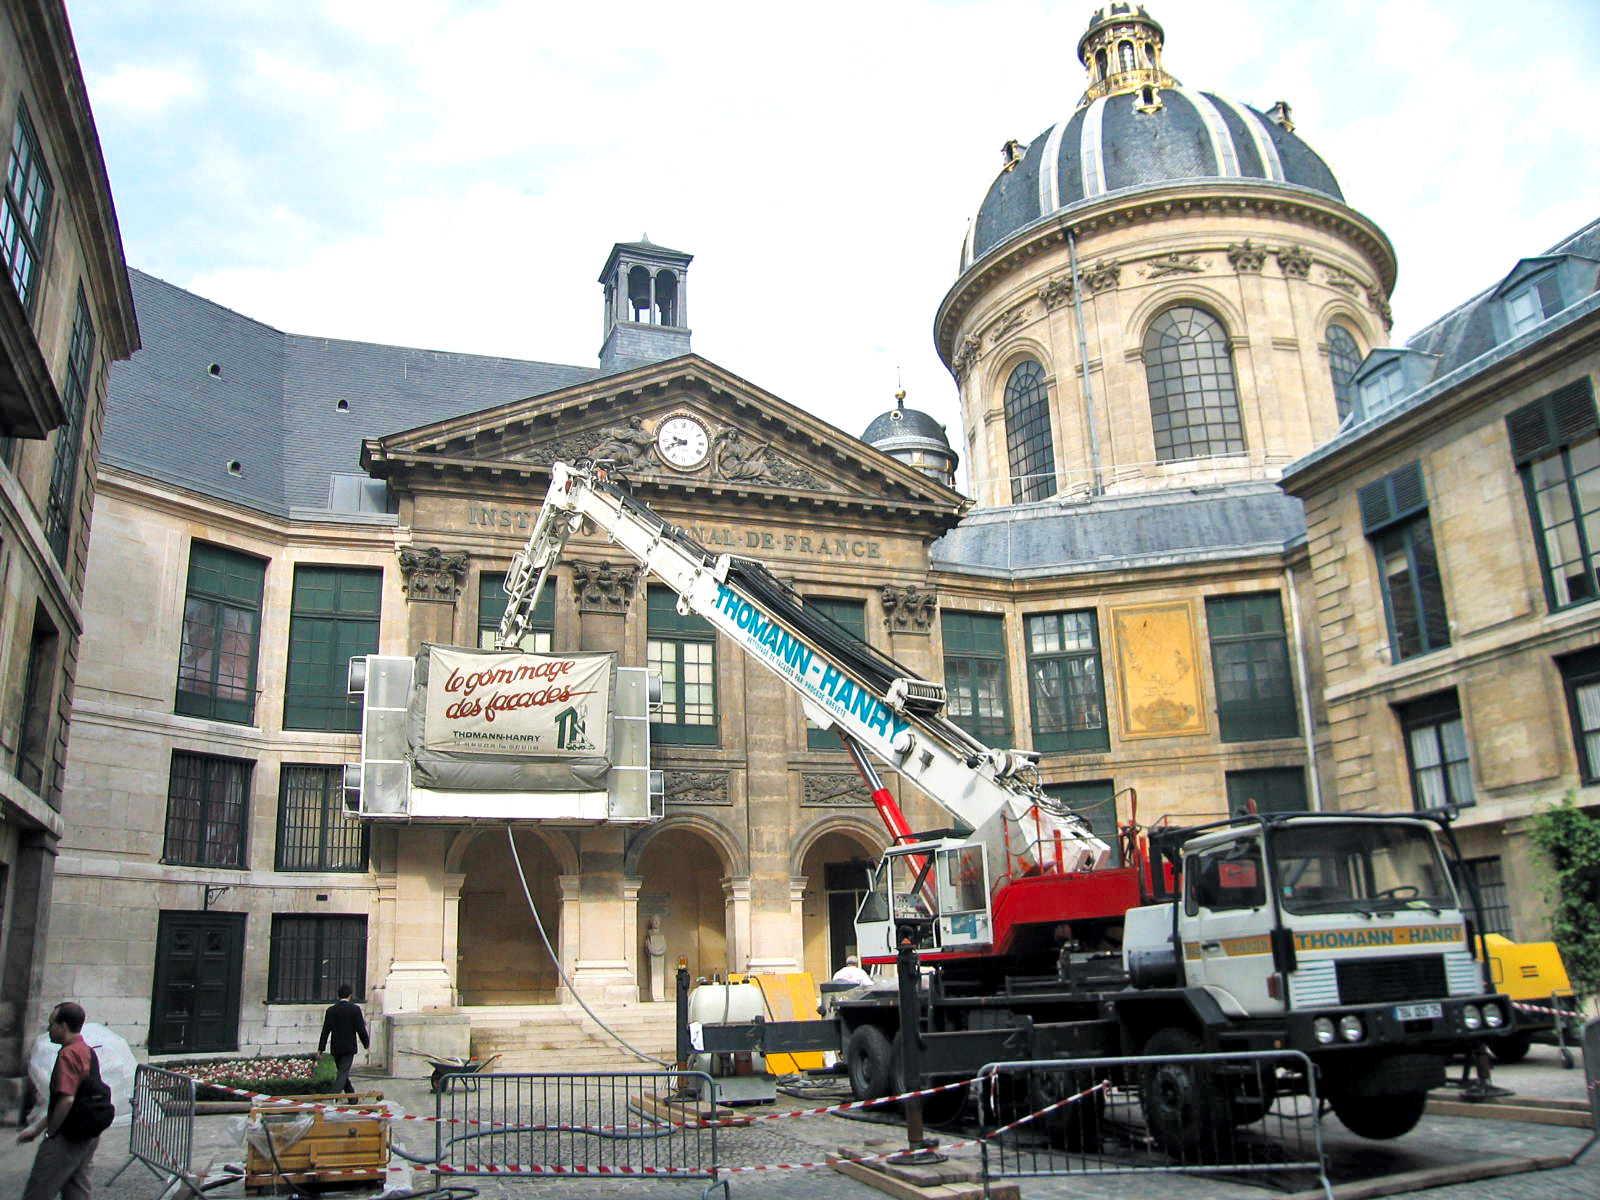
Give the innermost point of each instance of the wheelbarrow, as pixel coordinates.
(447, 1072)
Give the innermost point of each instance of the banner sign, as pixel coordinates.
(505, 720)
(509, 701)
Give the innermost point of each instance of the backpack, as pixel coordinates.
(92, 1112)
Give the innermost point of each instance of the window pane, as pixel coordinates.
(310, 956)
(538, 636)
(314, 832)
(1250, 667)
(1066, 690)
(334, 619)
(976, 685)
(1029, 448)
(1189, 371)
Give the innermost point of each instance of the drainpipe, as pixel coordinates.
(1083, 361)
(1305, 692)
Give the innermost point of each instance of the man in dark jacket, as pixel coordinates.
(342, 1024)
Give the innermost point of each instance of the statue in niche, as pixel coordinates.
(655, 948)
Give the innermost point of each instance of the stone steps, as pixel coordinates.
(565, 1038)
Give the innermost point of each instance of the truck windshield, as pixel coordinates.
(1325, 867)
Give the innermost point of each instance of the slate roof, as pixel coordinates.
(904, 422)
(1063, 537)
(1109, 147)
(272, 403)
(1466, 332)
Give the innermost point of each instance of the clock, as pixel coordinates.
(682, 442)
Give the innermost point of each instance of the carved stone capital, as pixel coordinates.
(1379, 305)
(1246, 257)
(966, 355)
(602, 586)
(1103, 276)
(908, 609)
(1056, 293)
(1294, 261)
(432, 573)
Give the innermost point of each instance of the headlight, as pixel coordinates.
(1492, 1016)
(1323, 1028)
(1350, 1028)
(1471, 1017)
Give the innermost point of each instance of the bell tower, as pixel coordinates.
(646, 306)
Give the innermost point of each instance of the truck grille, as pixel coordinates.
(1386, 980)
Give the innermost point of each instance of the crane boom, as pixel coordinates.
(842, 682)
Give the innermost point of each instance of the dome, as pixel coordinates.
(1119, 144)
(1136, 127)
(915, 438)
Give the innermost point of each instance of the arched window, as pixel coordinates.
(1029, 451)
(1125, 54)
(1194, 407)
(1344, 356)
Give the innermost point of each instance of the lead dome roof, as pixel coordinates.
(1136, 128)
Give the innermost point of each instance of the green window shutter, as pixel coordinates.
(1396, 496)
(851, 617)
(221, 635)
(334, 619)
(492, 609)
(1539, 429)
(1272, 789)
(1250, 668)
(1066, 687)
(977, 688)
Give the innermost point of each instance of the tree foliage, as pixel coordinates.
(1569, 838)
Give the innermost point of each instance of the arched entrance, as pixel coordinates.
(681, 875)
(501, 958)
(835, 867)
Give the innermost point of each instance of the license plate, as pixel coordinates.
(1418, 1012)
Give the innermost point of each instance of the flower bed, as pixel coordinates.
(279, 1075)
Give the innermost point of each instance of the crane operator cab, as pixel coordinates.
(934, 894)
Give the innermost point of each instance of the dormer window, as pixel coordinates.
(1530, 305)
(1383, 387)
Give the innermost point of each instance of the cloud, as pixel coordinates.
(141, 89)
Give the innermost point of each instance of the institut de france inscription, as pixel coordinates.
(816, 545)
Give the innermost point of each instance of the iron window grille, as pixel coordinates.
(314, 831)
(310, 956)
(208, 800)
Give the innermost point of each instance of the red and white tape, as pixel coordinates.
(1537, 1008)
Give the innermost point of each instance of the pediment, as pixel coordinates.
(727, 438)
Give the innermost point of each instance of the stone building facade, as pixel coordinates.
(65, 315)
(1164, 304)
(1452, 537)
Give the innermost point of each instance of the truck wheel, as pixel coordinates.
(867, 1059)
(1073, 1127)
(1511, 1049)
(1184, 1109)
(1380, 1117)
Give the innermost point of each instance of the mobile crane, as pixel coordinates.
(1341, 936)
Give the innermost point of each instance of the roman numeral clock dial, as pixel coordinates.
(682, 442)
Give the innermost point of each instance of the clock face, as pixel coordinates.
(682, 441)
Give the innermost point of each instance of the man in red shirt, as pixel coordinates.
(61, 1166)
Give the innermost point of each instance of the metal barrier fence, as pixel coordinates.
(1241, 1113)
(161, 1134)
(642, 1124)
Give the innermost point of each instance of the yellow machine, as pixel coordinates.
(1531, 973)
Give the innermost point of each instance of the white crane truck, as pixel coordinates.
(1341, 936)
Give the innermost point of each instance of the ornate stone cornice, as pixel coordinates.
(432, 573)
(603, 587)
(908, 609)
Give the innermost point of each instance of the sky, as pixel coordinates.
(451, 175)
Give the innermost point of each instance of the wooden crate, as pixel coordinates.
(343, 1150)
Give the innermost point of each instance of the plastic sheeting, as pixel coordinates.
(117, 1065)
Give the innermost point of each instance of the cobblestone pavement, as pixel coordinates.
(1439, 1141)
